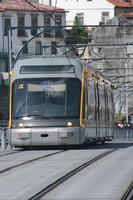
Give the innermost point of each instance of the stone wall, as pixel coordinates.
(121, 10)
(111, 45)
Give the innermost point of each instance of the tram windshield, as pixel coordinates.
(49, 98)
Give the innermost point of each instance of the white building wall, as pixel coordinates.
(43, 1)
(92, 9)
(17, 41)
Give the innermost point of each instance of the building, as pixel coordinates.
(111, 52)
(22, 14)
(47, 2)
(89, 12)
(123, 7)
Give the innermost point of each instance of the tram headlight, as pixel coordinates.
(69, 124)
(20, 125)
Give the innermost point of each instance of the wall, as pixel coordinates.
(121, 10)
(17, 41)
(92, 9)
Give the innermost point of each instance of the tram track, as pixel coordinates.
(29, 161)
(128, 195)
(53, 185)
(37, 180)
(10, 152)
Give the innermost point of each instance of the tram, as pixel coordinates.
(59, 101)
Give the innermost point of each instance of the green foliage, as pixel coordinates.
(3, 55)
(119, 117)
(78, 33)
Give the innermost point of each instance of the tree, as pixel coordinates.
(78, 33)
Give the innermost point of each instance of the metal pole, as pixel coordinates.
(126, 94)
(10, 75)
(9, 49)
(2, 130)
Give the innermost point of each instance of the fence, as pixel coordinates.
(2, 138)
(3, 134)
(123, 134)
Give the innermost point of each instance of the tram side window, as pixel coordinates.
(111, 109)
(106, 105)
(97, 102)
(91, 100)
(85, 99)
(102, 103)
(112, 103)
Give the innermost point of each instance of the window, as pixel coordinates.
(34, 24)
(46, 69)
(80, 17)
(21, 24)
(102, 103)
(90, 100)
(105, 17)
(38, 48)
(58, 22)
(47, 97)
(7, 23)
(47, 21)
(25, 49)
(53, 48)
(106, 105)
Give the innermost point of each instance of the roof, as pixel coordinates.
(127, 15)
(26, 5)
(122, 3)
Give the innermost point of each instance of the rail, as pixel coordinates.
(29, 161)
(59, 181)
(128, 195)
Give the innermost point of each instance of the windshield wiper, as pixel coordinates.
(17, 117)
(34, 115)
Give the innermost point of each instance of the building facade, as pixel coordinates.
(47, 2)
(123, 7)
(21, 14)
(89, 12)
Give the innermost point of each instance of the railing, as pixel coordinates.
(123, 134)
(4, 139)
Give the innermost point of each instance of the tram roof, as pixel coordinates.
(47, 61)
(50, 60)
(53, 60)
